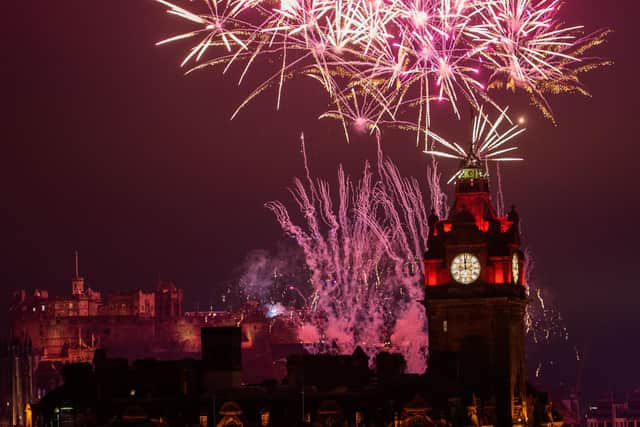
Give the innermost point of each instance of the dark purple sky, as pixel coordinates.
(108, 148)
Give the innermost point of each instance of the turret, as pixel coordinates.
(77, 283)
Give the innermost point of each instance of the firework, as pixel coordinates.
(362, 253)
(394, 57)
(488, 143)
(546, 329)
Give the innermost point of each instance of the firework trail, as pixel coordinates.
(487, 143)
(499, 193)
(363, 251)
(388, 61)
(438, 196)
(545, 325)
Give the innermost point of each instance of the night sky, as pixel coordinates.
(107, 148)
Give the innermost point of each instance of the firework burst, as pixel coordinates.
(488, 143)
(403, 55)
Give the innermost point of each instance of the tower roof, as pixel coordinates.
(473, 199)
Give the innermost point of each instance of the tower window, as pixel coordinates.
(445, 326)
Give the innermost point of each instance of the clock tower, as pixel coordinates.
(475, 298)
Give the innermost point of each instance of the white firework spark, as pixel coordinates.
(488, 143)
(405, 54)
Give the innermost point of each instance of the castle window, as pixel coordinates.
(264, 418)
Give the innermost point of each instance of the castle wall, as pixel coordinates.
(128, 325)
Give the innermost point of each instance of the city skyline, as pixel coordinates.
(113, 152)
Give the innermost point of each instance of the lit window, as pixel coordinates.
(42, 307)
(445, 326)
(264, 419)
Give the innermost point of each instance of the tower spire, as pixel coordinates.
(77, 283)
(75, 253)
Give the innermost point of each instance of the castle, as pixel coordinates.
(70, 328)
(48, 332)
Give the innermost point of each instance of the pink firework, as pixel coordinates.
(402, 54)
(362, 245)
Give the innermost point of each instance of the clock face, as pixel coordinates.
(465, 268)
(515, 268)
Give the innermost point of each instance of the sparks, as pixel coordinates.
(366, 282)
(402, 54)
(487, 142)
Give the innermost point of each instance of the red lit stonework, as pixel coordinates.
(474, 227)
